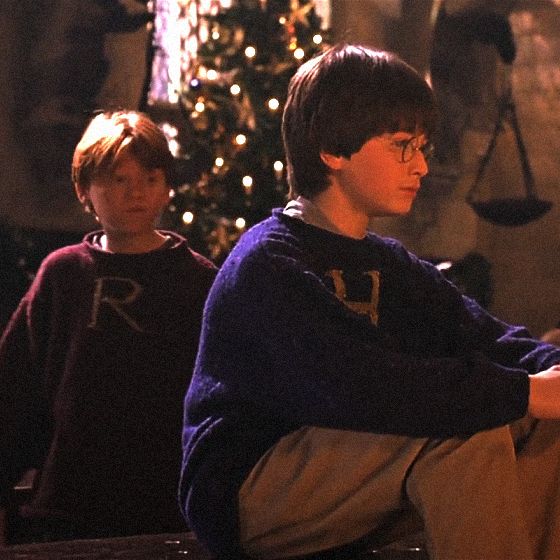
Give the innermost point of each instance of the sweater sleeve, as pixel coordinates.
(22, 406)
(477, 330)
(276, 342)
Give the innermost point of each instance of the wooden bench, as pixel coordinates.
(140, 547)
(183, 546)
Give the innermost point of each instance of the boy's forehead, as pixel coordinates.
(125, 159)
(127, 151)
(112, 166)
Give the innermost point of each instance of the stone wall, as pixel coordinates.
(61, 61)
(525, 260)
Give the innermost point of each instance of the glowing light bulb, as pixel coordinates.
(199, 107)
(247, 182)
(282, 20)
(235, 89)
(299, 53)
(273, 104)
(240, 139)
(188, 218)
(317, 39)
(240, 223)
(219, 162)
(250, 52)
(174, 147)
(278, 167)
(212, 74)
(215, 35)
(169, 130)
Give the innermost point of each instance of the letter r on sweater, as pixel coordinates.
(109, 291)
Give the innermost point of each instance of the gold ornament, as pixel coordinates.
(299, 13)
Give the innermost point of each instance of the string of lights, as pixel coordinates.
(229, 78)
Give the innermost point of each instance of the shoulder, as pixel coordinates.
(277, 237)
(60, 272)
(202, 271)
(269, 245)
(66, 258)
(258, 251)
(392, 247)
(195, 261)
(203, 263)
(397, 254)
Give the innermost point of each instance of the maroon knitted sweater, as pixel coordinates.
(94, 365)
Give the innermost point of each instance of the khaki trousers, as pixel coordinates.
(493, 496)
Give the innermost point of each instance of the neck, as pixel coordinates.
(131, 243)
(338, 210)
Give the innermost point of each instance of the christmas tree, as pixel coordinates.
(231, 166)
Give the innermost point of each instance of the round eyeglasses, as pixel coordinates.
(409, 146)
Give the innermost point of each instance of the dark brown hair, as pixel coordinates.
(342, 98)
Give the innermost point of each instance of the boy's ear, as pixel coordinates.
(332, 161)
(83, 196)
(81, 193)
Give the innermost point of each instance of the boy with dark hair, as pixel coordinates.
(96, 358)
(343, 386)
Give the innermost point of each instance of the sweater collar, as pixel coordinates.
(304, 210)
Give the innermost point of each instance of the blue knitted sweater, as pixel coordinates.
(306, 327)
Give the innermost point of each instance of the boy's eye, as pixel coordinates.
(409, 146)
(401, 143)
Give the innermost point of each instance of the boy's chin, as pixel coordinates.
(391, 212)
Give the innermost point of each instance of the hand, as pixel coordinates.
(544, 394)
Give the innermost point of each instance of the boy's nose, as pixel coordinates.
(136, 185)
(419, 163)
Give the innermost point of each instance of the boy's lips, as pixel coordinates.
(411, 188)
